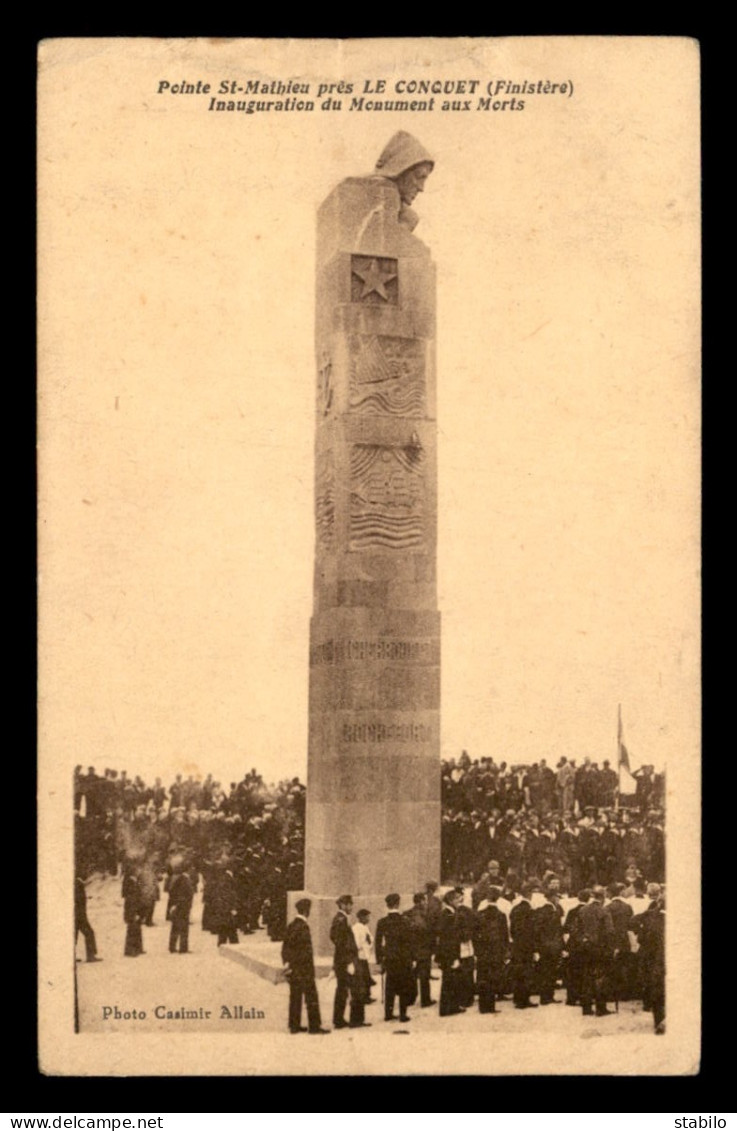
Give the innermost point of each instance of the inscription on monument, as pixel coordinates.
(386, 732)
(387, 376)
(374, 280)
(338, 651)
(387, 497)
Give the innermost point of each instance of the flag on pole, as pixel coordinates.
(627, 783)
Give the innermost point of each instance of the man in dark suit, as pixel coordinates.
(622, 915)
(225, 902)
(589, 847)
(81, 922)
(466, 926)
(651, 935)
(608, 782)
(521, 923)
(491, 877)
(606, 851)
(640, 907)
(490, 944)
(133, 907)
(434, 911)
(423, 943)
(655, 839)
(449, 955)
(181, 894)
(345, 966)
(570, 848)
(595, 937)
(394, 955)
(548, 945)
(574, 964)
(299, 964)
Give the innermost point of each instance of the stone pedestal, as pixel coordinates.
(373, 776)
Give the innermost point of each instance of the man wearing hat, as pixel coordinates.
(433, 911)
(181, 894)
(575, 949)
(299, 968)
(345, 966)
(521, 925)
(423, 944)
(365, 945)
(395, 956)
(622, 915)
(491, 944)
(596, 942)
(133, 909)
(466, 924)
(548, 937)
(492, 877)
(225, 902)
(651, 935)
(449, 955)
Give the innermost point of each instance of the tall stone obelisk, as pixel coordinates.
(373, 777)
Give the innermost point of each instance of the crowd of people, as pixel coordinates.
(512, 940)
(560, 842)
(534, 819)
(245, 845)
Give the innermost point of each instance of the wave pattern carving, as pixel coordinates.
(387, 376)
(387, 498)
(325, 500)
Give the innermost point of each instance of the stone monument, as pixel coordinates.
(373, 774)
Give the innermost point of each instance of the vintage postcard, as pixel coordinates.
(369, 449)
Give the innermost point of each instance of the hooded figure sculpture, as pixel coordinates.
(408, 164)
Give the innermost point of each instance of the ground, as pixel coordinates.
(240, 1001)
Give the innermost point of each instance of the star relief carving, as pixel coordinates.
(374, 278)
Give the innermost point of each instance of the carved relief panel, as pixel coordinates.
(387, 504)
(387, 376)
(325, 500)
(324, 383)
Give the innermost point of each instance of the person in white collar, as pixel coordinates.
(344, 964)
(365, 945)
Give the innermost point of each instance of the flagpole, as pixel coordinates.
(619, 756)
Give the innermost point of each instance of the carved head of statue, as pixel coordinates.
(413, 180)
(407, 163)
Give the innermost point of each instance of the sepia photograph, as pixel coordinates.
(369, 556)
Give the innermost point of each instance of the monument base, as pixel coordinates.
(263, 957)
(324, 909)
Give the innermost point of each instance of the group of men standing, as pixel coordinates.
(403, 947)
(508, 943)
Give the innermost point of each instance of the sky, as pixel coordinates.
(178, 397)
